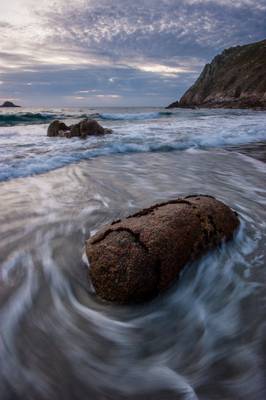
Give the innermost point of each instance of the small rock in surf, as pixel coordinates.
(134, 259)
(86, 127)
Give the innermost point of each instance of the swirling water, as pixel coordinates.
(203, 339)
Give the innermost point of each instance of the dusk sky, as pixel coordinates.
(116, 52)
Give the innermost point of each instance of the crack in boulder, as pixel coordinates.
(155, 207)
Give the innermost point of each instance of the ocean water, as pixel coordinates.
(206, 337)
(26, 150)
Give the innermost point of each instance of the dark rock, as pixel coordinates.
(234, 79)
(9, 104)
(134, 259)
(57, 128)
(74, 130)
(82, 129)
(90, 127)
(175, 104)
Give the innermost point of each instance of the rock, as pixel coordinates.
(74, 130)
(175, 104)
(82, 129)
(134, 259)
(90, 127)
(9, 104)
(57, 128)
(235, 78)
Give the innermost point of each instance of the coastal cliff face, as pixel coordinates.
(236, 78)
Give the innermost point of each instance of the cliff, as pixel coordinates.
(236, 78)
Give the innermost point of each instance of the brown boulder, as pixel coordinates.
(134, 259)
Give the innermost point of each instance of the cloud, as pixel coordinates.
(119, 47)
(156, 28)
(160, 69)
(110, 96)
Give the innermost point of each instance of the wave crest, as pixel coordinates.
(28, 118)
(25, 118)
(134, 116)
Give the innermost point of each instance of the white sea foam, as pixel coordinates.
(26, 150)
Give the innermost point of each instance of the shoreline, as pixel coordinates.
(214, 107)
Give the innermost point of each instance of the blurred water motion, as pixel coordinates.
(204, 339)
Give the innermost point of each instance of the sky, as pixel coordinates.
(116, 52)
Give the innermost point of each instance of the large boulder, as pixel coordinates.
(84, 128)
(134, 259)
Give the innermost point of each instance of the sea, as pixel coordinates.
(205, 338)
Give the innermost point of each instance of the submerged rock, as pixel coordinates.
(82, 129)
(134, 259)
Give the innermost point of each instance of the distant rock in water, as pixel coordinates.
(8, 104)
(235, 79)
(86, 127)
(134, 259)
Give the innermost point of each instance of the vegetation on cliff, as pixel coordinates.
(236, 78)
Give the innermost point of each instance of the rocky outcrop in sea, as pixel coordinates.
(8, 104)
(86, 127)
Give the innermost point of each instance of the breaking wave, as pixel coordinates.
(134, 116)
(26, 118)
